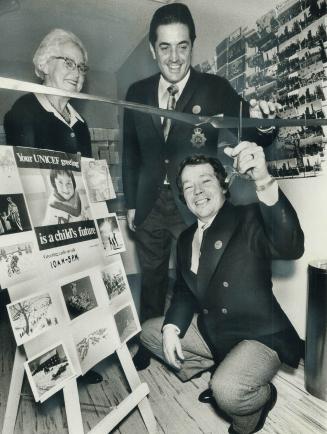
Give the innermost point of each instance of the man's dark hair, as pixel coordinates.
(196, 160)
(169, 14)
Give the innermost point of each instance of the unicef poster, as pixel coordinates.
(59, 209)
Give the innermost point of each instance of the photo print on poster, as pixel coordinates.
(56, 197)
(98, 180)
(95, 338)
(31, 316)
(114, 279)
(49, 371)
(13, 214)
(126, 324)
(79, 297)
(111, 236)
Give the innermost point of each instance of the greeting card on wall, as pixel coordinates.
(59, 209)
(98, 180)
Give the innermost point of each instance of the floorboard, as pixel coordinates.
(174, 403)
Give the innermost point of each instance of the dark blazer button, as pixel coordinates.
(72, 134)
(205, 311)
(226, 284)
(224, 311)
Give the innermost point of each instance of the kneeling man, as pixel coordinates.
(223, 314)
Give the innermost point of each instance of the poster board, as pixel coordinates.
(71, 305)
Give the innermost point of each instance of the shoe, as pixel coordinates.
(92, 377)
(264, 413)
(142, 358)
(206, 397)
(266, 408)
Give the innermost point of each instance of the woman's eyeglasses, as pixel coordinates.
(71, 65)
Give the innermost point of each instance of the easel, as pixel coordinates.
(137, 398)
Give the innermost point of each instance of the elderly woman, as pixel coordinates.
(49, 121)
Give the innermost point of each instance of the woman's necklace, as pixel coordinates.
(65, 113)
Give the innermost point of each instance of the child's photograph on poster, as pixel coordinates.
(31, 316)
(55, 196)
(18, 262)
(114, 279)
(126, 324)
(49, 371)
(13, 214)
(79, 297)
(111, 236)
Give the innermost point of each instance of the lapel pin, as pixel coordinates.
(196, 109)
(218, 244)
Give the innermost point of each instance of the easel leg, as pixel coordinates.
(134, 381)
(15, 389)
(73, 409)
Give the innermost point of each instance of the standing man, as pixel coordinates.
(224, 313)
(154, 147)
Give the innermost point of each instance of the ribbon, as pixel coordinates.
(217, 121)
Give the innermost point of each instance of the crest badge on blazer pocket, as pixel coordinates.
(198, 139)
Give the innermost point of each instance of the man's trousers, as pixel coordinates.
(154, 238)
(239, 383)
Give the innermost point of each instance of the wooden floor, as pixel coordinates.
(174, 404)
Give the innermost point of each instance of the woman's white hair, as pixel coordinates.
(50, 46)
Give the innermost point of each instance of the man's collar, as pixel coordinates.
(202, 225)
(164, 84)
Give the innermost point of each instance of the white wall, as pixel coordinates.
(308, 196)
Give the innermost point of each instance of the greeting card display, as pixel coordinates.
(71, 305)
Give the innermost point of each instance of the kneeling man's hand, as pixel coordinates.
(172, 347)
(249, 159)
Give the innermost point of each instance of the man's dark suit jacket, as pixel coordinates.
(233, 290)
(145, 150)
